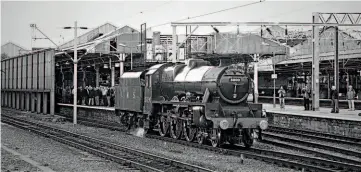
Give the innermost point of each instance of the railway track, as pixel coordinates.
(275, 157)
(312, 144)
(142, 161)
(317, 135)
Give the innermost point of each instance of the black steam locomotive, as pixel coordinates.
(195, 101)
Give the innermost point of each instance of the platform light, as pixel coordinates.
(57, 64)
(106, 66)
(117, 64)
(66, 62)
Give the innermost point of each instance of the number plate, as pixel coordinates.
(235, 80)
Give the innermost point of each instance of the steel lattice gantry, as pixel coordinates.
(325, 19)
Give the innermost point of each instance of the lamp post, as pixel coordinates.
(75, 61)
(274, 76)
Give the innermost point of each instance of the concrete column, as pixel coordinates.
(112, 75)
(337, 80)
(315, 64)
(32, 99)
(9, 99)
(5, 98)
(2, 99)
(52, 89)
(22, 100)
(27, 101)
(255, 78)
(38, 102)
(174, 44)
(121, 64)
(17, 100)
(45, 103)
(84, 77)
(97, 76)
(13, 100)
(328, 86)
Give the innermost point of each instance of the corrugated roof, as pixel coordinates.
(11, 49)
(17, 45)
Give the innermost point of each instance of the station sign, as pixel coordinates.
(274, 76)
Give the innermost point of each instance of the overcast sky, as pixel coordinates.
(50, 16)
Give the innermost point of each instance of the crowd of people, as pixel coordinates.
(91, 96)
(351, 96)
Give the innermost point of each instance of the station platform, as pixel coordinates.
(345, 123)
(344, 114)
(88, 107)
(343, 104)
(103, 113)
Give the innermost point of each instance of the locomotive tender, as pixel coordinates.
(195, 101)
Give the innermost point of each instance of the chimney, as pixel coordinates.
(225, 62)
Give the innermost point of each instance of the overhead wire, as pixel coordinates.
(210, 13)
(147, 10)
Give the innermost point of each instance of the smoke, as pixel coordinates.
(139, 132)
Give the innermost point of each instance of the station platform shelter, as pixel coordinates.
(294, 72)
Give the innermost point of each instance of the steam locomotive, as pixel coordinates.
(195, 101)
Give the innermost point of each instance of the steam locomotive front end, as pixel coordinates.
(238, 119)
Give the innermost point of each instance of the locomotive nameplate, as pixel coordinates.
(235, 79)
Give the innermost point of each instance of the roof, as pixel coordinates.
(99, 42)
(247, 44)
(348, 54)
(101, 31)
(17, 45)
(84, 37)
(11, 49)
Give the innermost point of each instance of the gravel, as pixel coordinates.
(55, 155)
(10, 162)
(204, 158)
(279, 149)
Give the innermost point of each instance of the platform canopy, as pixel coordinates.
(96, 48)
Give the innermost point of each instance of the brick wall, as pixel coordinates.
(94, 114)
(332, 126)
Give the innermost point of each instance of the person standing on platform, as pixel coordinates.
(306, 98)
(79, 98)
(351, 94)
(96, 96)
(334, 96)
(85, 95)
(104, 96)
(112, 96)
(282, 93)
(91, 96)
(99, 93)
(108, 96)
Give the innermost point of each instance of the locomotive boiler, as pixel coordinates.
(194, 101)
